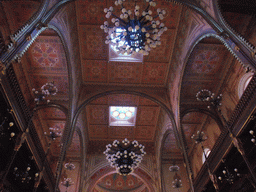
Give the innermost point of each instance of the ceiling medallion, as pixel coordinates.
(125, 156)
(134, 31)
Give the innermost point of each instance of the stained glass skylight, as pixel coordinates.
(122, 115)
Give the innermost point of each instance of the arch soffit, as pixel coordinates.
(104, 171)
(204, 111)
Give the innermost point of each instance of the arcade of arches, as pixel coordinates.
(209, 44)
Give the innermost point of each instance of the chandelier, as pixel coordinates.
(67, 183)
(47, 89)
(174, 168)
(207, 96)
(69, 166)
(229, 175)
(125, 156)
(176, 184)
(134, 32)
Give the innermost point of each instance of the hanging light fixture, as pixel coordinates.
(54, 133)
(199, 138)
(69, 166)
(46, 90)
(67, 183)
(207, 96)
(229, 175)
(174, 167)
(176, 184)
(24, 176)
(134, 31)
(125, 156)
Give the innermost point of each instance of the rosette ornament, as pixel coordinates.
(125, 156)
(134, 31)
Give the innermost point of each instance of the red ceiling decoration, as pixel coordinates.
(115, 182)
(93, 42)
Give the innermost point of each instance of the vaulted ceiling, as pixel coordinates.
(46, 61)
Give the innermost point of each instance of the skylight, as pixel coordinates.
(122, 115)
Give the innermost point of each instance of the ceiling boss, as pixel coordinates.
(134, 31)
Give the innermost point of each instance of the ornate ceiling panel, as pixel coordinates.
(207, 61)
(91, 11)
(147, 115)
(92, 42)
(48, 55)
(154, 73)
(46, 62)
(98, 114)
(163, 52)
(97, 69)
(123, 99)
(206, 68)
(116, 182)
(125, 73)
(18, 12)
(98, 119)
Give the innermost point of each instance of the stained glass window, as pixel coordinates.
(122, 115)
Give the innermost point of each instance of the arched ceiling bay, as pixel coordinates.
(96, 69)
(116, 182)
(45, 62)
(100, 133)
(207, 68)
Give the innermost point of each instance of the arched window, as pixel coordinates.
(207, 152)
(244, 83)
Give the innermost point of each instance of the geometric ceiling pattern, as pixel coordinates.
(45, 61)
(144, 129)
(116, 182)
(98, 120)
(205, 69)
(97, 69)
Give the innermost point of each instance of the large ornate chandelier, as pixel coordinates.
(125, 156)
(133, 32)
